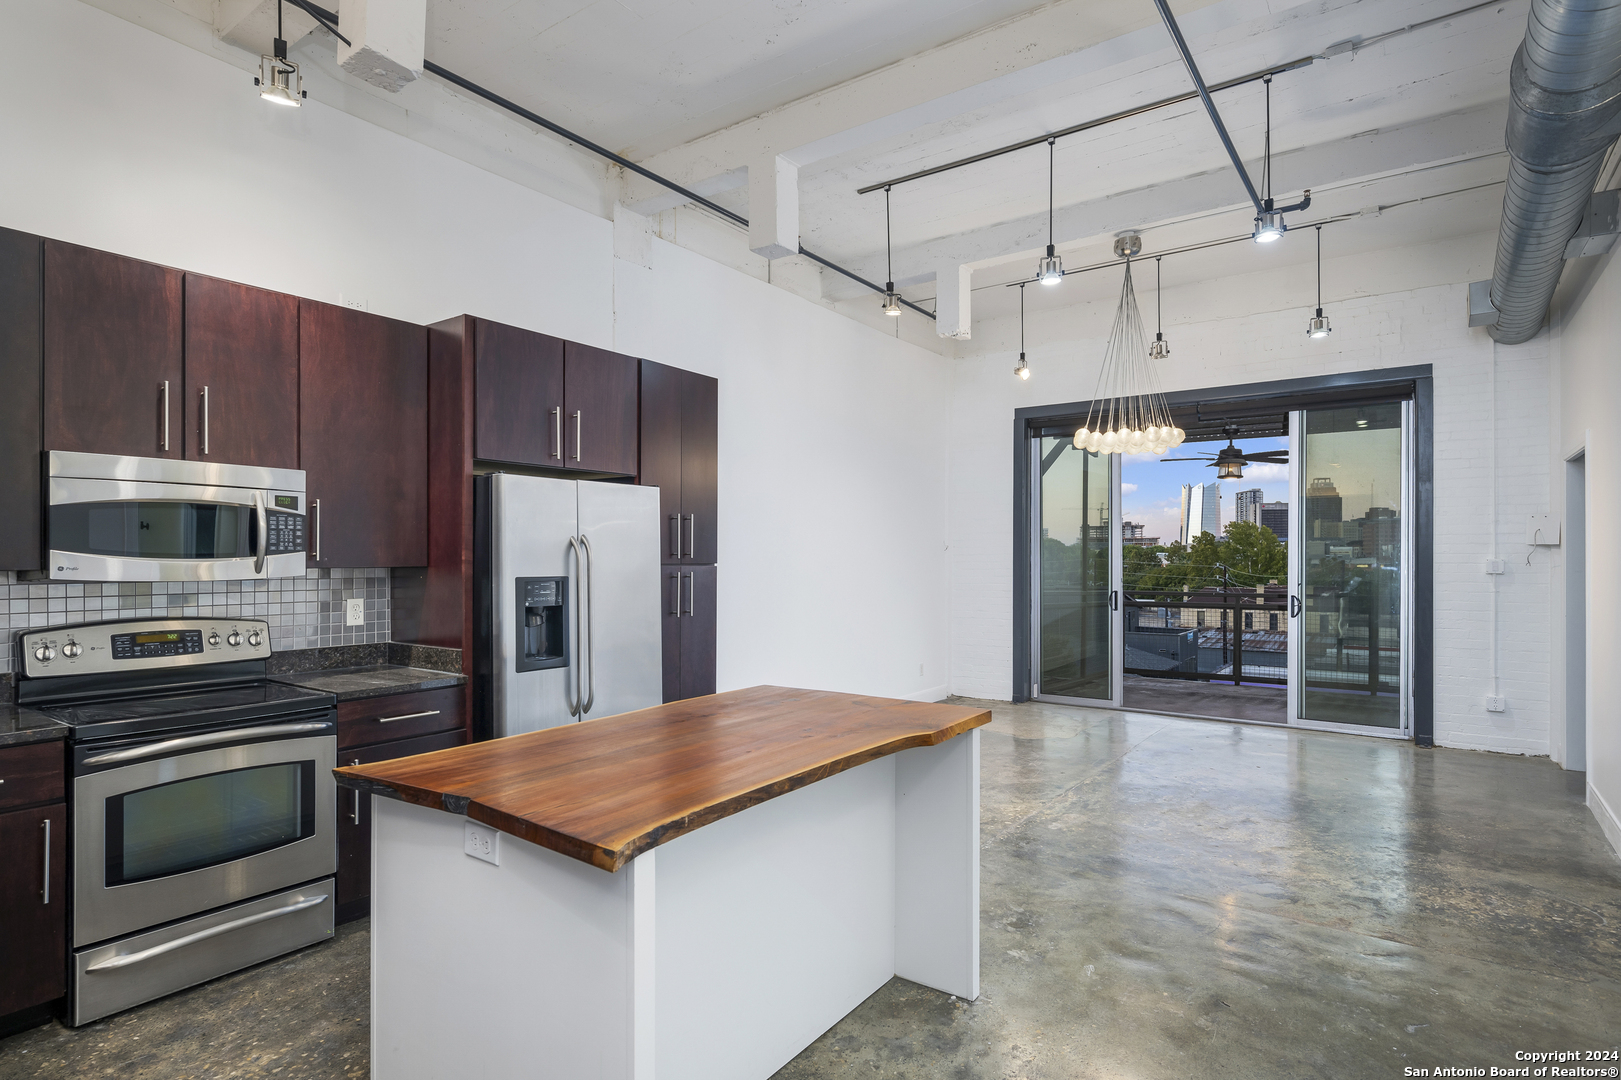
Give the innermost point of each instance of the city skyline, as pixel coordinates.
(1151, 490)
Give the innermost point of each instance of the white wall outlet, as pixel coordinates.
(352, 302)
(1495, 703)
(482, 842)
(354, 612)
(1494, 566)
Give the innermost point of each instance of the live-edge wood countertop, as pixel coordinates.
(604, 791)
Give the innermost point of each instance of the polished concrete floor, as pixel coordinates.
(1162, 898)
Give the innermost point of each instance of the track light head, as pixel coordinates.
(279, 80)
(892, 299)
(1318, 326)
(1159, 348)
(1268, 226)
(1023, 368)
(1050, 270)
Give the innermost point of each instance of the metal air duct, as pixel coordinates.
(1565, 102)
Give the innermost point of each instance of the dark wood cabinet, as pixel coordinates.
(112, 375)
(354, 818)
(21, 297)
(399, 716)
(518, 380)
(33, 880)
(689, 631)
(241, 378)
(363, 433)
(679, 429)
(599, 410)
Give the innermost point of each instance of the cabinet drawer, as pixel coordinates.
(399, 716)
(32, 774)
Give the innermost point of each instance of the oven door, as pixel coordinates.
(185, 826)
(136, 530)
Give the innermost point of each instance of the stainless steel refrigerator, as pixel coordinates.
(567, 591)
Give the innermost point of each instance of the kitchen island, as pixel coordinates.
(696, 890)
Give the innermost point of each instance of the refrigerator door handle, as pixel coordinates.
(568, 691)
(590, 686)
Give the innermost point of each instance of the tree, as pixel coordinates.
(1254, 554)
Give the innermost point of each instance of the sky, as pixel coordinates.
(1152, 490)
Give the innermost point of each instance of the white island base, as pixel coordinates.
(716, 956)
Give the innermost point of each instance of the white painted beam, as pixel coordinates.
(774, 207)
(387, 41)
(250, 25)
(655, 199)
(953, 311)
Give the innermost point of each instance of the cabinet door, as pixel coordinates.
(518, 387)
(697, 631)
(599, 410)
(660, 451)
(241, 397)
(700, 415)
(33, 907)
(354, 820)
(363, 436)
(671, 604)
(20, 299)
(112, 374)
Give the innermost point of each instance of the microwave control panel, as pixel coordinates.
(286, 533)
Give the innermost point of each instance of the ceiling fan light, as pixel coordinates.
(1268, 226)
(1229, 470)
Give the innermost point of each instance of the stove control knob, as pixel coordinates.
(214, 640)
(45, 654)
(233, 639)
(253, 638)
(71, 650)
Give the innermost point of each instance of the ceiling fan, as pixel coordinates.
(1230, 461)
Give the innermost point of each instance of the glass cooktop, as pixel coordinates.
(149, 714)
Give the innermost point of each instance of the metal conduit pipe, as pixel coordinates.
(1564, 109)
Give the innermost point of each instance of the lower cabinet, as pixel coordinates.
(33, 882)
(689, 631)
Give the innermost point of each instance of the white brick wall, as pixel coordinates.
(1413, 326)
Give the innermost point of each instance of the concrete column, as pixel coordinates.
(774, 208)
(388, 40)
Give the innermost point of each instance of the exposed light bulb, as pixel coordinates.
(1159, 348)
(892, 299)
(1050, 270)
(1023, 370)
(1081, 438)
(1318, 326)
(1268, 226)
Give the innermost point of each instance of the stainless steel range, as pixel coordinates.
(203, 827)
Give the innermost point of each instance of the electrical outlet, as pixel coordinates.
(482, 842)
(1495, 703)
(1494, 566)
(354, 612)
(352, 302)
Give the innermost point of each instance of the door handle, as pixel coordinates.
(203, 935)
(356, 816)
(158, 749)
(165, 414)
(1114, 600)
(675, 595)
(263, 518)
(45, 888)
(577, 426)
(317, 530)
(1294, 607)
(557, 418)
(692, 533)
(675, 535)
(692, 593)
(570, 693)
(205, 420)
(590, 620)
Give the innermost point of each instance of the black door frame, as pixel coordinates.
(1416, 382)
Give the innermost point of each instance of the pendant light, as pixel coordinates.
(892, 299)
(1050, 270)
(279, 81)
(1268, 223)
(1023, 370)
(1158, 350)
(1318, 326)
(1128, 413)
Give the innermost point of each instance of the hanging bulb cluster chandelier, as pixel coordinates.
(1128, 413)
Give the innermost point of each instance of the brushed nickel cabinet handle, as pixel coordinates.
(356, 816)
(577, 426)
(675, 535)
(692, 592)
(45, 889)
(692, 533)
(405, 716)
(557, 417)
(166, 414)
(675, 595)
(205, 420)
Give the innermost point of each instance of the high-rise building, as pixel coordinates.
(1247, 506)
(1324, 511)
(1275, 516)
(1131, 534)
(1201, 510)
(1187, 500)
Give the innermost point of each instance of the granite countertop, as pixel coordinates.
(370, 680)
(20, 725)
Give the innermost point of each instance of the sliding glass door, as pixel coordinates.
(1075, 624)
(1350, 568)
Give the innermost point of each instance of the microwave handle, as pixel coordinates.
(264, 532)
(187, 742)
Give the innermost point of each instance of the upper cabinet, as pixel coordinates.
(363, 436)
(679, 428)
(112, 375)
(241, 384)
(553, 404)
(20, 299)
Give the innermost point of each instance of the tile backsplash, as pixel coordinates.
(303, 612)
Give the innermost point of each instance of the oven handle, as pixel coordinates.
(157, 749)
(203, 935)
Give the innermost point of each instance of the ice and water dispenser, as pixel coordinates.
(542, 623)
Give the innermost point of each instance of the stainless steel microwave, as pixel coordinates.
(111, 518)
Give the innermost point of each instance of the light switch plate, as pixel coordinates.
(482, 842)
(354, 612)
